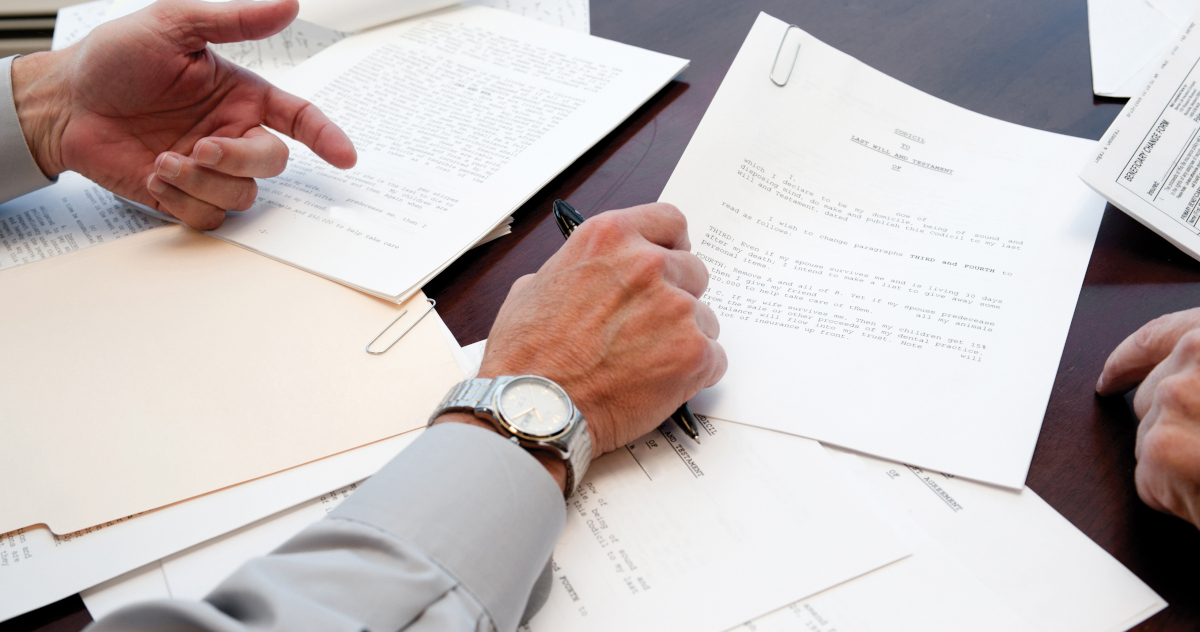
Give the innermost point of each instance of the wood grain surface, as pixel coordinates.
(1022, 61)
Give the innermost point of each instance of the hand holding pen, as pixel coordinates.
(568, 219)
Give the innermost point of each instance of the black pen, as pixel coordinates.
(568, 219)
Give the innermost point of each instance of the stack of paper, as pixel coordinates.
(493, 107)
(44, 567)
(1127, 39)
(982, 558)
(458, 118)
(1148, 163)
(883, 239)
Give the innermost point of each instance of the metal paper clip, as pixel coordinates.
(779, 52)
(432, 304)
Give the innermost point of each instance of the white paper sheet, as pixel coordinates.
(193, 573)
(1126, 38)
(729, 527)
(1148, 162)
(76, 21)
(142, 584)
(569, 14)
(757, 505)
(474, 354)
(1179, 12)
(984, 559)
(357, 15)
(270, 58)
(72, 214)
(458, 118)
(883, 263)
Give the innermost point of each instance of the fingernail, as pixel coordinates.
(208, 153)
(169, 167)
(156, 186)
(1100, 384)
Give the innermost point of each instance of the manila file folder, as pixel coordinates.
(170, 364)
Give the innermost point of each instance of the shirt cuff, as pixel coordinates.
(19, 173)
(479, 506)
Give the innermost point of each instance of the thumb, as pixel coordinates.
(194, 23)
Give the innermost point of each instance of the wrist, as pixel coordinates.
(40, 97)
(555, 467)
(598, 426)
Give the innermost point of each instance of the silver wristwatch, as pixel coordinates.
(533, 412)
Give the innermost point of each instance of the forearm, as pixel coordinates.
(451, 535)
(19, 172)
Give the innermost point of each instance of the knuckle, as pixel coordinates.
(646, 269)
(692, 352)
(1150, 335)
(674, 218)
(1189, 344)
(1176, 392)
(601, 235)
(520, 284)
(1168, 449)
(246, 197)
(680, 307)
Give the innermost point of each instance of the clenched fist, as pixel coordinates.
(614, 317)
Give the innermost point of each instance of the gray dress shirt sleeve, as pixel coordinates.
(19, 174)
(453, 534)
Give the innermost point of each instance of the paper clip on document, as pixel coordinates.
(432, 304)
(780, 52)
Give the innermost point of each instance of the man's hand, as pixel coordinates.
(614, 318)
(1164, 356)
(142, 107)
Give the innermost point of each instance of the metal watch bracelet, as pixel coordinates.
(476, 396)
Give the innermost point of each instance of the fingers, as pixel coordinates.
(191, 211)
(1184, 359)
(1138, 354)
(707, 321)
(211, 187)
(257, 154)
(686, 271)
(204, 22)
(306, 123)
(219, 176)
(1168, 447)
(718, 363)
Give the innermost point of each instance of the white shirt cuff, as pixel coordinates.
(19, 174)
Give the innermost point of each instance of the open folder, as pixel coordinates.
(171, 364)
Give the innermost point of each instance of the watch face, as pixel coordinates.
(535, 406)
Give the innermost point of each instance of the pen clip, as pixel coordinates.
(566, 217)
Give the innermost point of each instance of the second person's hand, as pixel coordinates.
(144, 108)
(1164, 357)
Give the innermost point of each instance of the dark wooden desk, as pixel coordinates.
(1023, 61)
